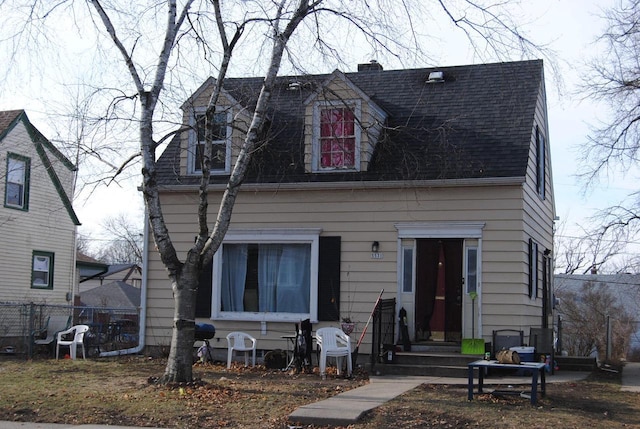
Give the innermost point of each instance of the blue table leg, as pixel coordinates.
(470, 385)
(534, 387)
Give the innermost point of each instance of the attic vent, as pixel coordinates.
(294, 86)
(370, 66)
(435, 77)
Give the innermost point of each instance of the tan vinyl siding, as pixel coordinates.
(360, 217)
(45, 226)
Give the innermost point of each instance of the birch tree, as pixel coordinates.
(208, 34)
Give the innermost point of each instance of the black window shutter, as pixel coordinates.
(203, 299)
(531, 261)
(329, 279)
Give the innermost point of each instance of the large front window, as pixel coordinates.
(272, 278)
(220, 138)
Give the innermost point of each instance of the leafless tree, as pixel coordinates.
(125, 240)
(590, 251)
(585, 315)
(200, 36)
(614, 145)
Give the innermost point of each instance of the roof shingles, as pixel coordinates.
(476, 124)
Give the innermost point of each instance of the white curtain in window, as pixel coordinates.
(234, 274)
(293, 279)
(268, 263)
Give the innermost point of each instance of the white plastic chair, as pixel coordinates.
(78, 332)
(54, 325)
(241, 342)
(333, 342)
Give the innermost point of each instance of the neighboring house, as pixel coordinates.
(127, 273)
(625, 288)
(88, 268)
(37, 220)
(117, 294)
(368, 181)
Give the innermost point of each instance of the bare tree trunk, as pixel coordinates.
(184, 288)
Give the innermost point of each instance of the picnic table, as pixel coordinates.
(536, 368)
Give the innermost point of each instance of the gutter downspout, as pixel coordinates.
(143, 297)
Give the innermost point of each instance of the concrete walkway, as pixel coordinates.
(631, 377)
(348, 407)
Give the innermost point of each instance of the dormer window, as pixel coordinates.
(337, 146)
(221, 142)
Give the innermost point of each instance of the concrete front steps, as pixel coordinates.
(437, 359)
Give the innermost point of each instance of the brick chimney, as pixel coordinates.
(372, 65)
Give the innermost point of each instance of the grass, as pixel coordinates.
(121, 391)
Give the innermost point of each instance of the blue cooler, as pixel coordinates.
(527, 354)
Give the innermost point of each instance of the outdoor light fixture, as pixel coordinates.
(375, 246)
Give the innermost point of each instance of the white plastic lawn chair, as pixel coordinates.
(241, 342)
(54, 325)
(78, 332)
(333, 343)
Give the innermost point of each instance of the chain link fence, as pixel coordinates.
(24, 328)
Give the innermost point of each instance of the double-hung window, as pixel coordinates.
(42, 270)
(17, 182)
(220, 141)
(270, 276)
(337, 144)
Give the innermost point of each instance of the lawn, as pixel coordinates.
(122, 391)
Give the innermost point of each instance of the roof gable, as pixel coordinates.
(8, 121)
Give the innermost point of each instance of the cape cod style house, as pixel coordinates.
(431, 184)
(37, 220)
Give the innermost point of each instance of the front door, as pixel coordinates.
(438, 292)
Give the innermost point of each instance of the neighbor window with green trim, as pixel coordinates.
(42, 270)
(16, 193)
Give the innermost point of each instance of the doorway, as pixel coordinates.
(438, 290)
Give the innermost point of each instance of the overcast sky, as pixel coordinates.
(568, 27)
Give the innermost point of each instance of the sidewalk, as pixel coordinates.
(346, 408)
(20, 425)
(631, 377)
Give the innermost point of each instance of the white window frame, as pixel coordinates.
(192, 168)
(49, 256)
(356, 107)
(291, 236)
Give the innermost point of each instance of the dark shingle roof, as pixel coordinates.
(116, 294)
(476, 124)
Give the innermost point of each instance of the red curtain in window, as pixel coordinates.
(337, 138)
